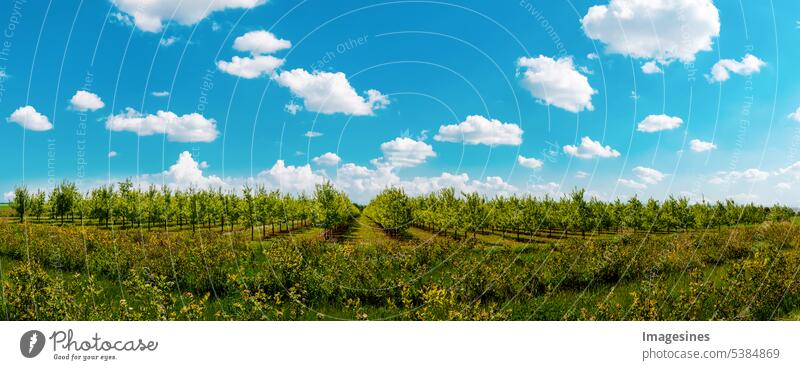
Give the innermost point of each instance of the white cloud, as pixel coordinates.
(186, 172)
(148, 15)
(701, 146)
(493, 185)
(651, 67)
(590, 149)
(187, 128)
(295, 179)
(30, 119)
(460, 182)
(112, 154)
(792, 170)
(556, 82)
(250, 67)
(84, 101)
(749, 175)
(480, 130)
(659, 122)
(406, 152)
(632, 184)
(167, 42)
(312, 134)
(529, 162)
(330, 93)
(648, 175)
(160, 94)
(260, 42)
(362, 183)
(551, 188)
(795, 116)
(327, 159)
(783, 186)
(592, 56)
(9, 196)
(581, 175)
(292, 108)
(663, 30)
(721, 70)
(120, 18)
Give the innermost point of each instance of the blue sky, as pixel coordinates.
(690, 97)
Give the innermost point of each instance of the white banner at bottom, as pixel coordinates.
(399, 345)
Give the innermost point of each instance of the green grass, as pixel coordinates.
(369, 244)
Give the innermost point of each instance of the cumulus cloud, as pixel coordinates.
(30, 119)
(84, 101)
(480, 130)
(460, 182)
(251, 67)
(648, 175)
(632, 184)
(168, 41)
(187, 172)
(260, 42)
(186, 128)
(795, 116)
(160, 94)
(292, 108)
(120, 18)
(701, 146)
(659, 122)
(362, 183)
(749, 175)
(651, 67)
(721, 71)
(258, 64)
(330, 93)
(112, 154)
(149, 15)
(327, 159)
(532, 163)
(8, 196)
(664, 30)
(406, 152)
(557, 83)
(590, 149)
(792, 170)
(295, 179)
(581, 175)
(312, 134)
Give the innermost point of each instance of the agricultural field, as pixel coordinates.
(123, 253)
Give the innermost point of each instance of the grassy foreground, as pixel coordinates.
(88, 273)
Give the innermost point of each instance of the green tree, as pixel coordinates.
(21, 202)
